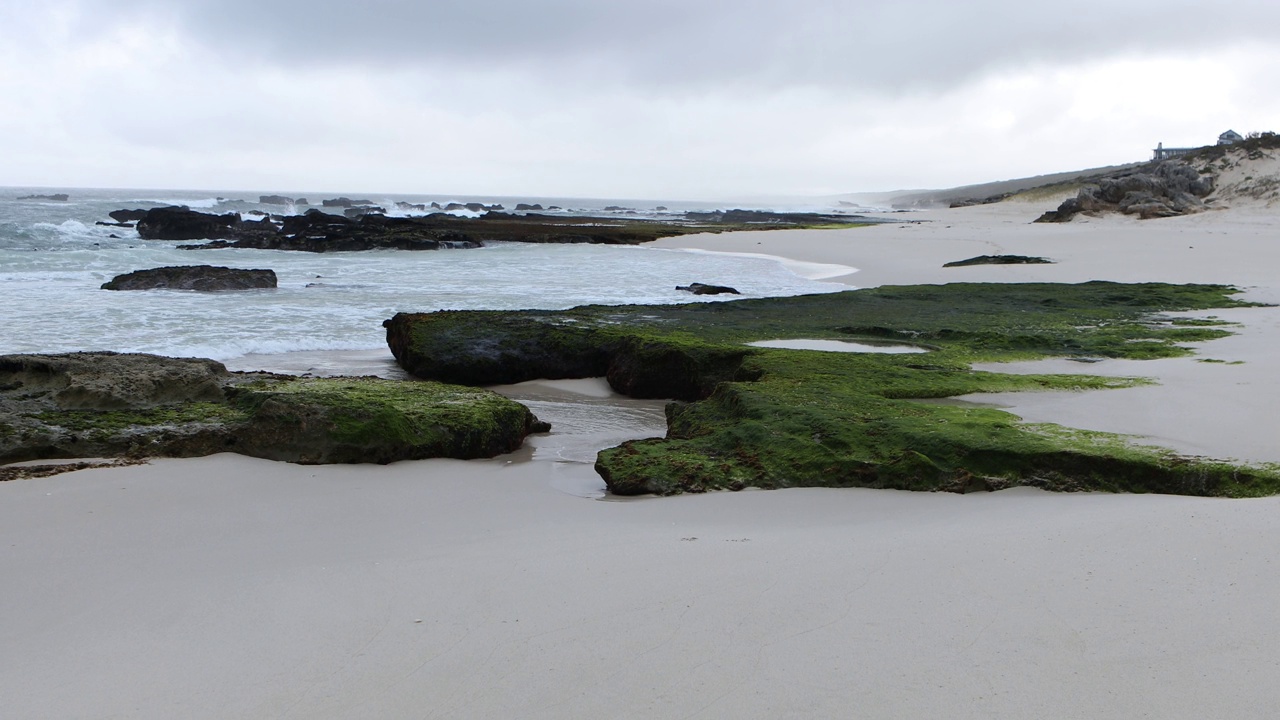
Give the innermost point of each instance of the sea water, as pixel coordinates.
(54, 258)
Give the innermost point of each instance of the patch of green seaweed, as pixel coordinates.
(777, 418)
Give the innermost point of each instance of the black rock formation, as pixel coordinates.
(204, 278)
(344, 202)
(127, 216)
(176, 223)
(999, 260)
(703, 289)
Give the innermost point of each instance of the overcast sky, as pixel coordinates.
(665, 99)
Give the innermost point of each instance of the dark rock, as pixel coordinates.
(317, 231)
(356, 212)
(175, 223)
(115, 224)
(275, 200)
(999, 260)
(526, 206)
(970, 202)
(204, 278)
(344, 202)
(702, 289)
(661, 208)
(474, 347)
(1167, 189)
(410, 206)
(56, 197)
(127, 215)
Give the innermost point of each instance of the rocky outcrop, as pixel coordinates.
(106, 381)
(117, 405)
(344, 202)
(280, 200)
(488, 348)
(999, 260)
(703, 289)
(127, 216)
(178, 223)
(1169, 188)
(317, 231)
(55, 197)
(202, 278)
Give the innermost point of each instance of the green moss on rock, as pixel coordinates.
(311, 420)
(783, 418)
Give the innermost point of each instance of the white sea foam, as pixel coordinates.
(53, 260)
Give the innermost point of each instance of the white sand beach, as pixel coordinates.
(230, 587)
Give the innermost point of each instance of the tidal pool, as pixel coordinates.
(838, 346)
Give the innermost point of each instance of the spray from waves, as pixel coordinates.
(200, 203)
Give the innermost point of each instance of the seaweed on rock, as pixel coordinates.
(132, 405)
(772, 418)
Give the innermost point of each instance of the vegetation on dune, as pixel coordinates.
(783, 418)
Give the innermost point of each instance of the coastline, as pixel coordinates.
(232, 587)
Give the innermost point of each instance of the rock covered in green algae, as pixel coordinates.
(771, 418)
(110, 405)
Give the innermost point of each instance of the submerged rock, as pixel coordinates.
(115, 405)
(55, 197)
(204, 278)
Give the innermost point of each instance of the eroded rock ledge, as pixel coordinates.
(773, 418)
(78, 405)
(1169, 188)
(317, 231)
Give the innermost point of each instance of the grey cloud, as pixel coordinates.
(699, 43)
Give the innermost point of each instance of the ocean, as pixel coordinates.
(54, 257)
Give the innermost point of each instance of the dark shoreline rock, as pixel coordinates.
(999, 260)
(55, 197)
(132, 405)
(703, 289)
(280, 200)
(202, 278)
(177, 223)
(127, 216)
(367, 228)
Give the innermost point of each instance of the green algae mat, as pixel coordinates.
(771, 418)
